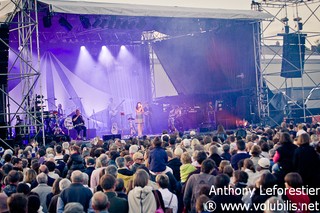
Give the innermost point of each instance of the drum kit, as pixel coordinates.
(52, 121)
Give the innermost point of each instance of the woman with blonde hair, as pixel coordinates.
(31, 178)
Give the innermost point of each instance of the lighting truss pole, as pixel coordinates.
(26, 26)
(275, 8)
(146, 37)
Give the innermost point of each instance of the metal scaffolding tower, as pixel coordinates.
(23, 21)
(295, 17)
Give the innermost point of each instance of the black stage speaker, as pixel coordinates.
(91, 133)
(243, 107)
(293, 55)
(111, 137)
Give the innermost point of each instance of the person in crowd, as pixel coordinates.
(223, 181)
(293, 180)
(174, 163)
(75, 161)
(249, 168)
(301, 130)
(201, 204)
(214, 154)
(304, 159)
(196, 181)
(101, 163)
(241, 154)
(255, 152)
(55, 191)
(100, 202)
(51, 167)
(117, 205)
(123, 172)
(186, 168)
(170, 200)
(120, 189)
(240, 179)
(17, 164)
(90, 163)
(158, 157)
(284, 155)
(13, 180)
(221, 133)
(30, 178)
(18, 203)
(266, 181)
(226, 152)
(138, 161)
(199, 158)
(43, 168)
(76, 192)
(141, 197)
(42, 190)
(63, 184)
(34, 203)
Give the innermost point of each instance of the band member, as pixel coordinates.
(210, 113)
(147, 117)
(78, 123)
(60, 111)
(174, 115)
(139, 118)
(18, 129)
(57, 130)
(111, 111)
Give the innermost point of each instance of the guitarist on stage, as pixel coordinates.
(111, 113)
(78, 124)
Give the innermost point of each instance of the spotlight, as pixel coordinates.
(123, 47)
(47, 20)
(104, 23)
(96, 23)
(85, 22)
(64, 23)
(82, 47)
(112, 22)
(104, 47)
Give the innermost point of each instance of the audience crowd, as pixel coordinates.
(168, 173)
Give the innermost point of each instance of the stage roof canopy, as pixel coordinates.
(104, 7)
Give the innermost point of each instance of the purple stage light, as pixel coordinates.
(123, 47)
(83, 48)
(104, 47)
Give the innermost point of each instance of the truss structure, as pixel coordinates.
(24, 21)
(289, 16)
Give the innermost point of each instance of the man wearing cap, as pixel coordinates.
(138, 161)
(263, 167)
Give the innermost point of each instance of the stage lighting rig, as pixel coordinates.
(64, 23)
(85, 21)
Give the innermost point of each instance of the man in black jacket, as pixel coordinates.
(75, 193)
